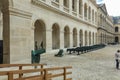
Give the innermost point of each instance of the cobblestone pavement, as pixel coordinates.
(94, 65)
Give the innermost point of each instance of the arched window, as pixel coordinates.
(89, 16)
(80, 7)
(93, 15)
(85, 11)
(74, 5)
(96, 17)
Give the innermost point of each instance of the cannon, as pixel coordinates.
(35, 54)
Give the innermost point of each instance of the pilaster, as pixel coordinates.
(61, 39)
(48, 39)
(61, 4)
(71, 39)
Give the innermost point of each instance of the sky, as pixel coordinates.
(112, 6)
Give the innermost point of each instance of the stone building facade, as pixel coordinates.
(59, 24)
(116, 22)
(105, 26)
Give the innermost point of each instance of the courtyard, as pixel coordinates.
(94, 65)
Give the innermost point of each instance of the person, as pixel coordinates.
(117, 58)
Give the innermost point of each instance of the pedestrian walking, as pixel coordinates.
(117, 58)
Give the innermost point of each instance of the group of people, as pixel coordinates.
(117, 58)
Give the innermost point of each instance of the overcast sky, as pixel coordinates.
(113, 7)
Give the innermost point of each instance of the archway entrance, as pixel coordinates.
(116, 39)
(89, 38)
(85, 38)
(81, 38)
(66, 37)
(40, 34)
(55, 36)
(74, 37)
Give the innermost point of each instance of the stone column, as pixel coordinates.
(18, 36)
(83, 38)
(70, 6)
(71, 39)
(61, 39)
(6, 36)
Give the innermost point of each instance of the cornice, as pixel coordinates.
(49, 7)
(20, 13)
(99, 28)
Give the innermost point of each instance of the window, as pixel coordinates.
(66, 3)
(116, 29)
(85, 10)
(74, 5)
(80, 7)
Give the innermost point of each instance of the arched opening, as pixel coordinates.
(55, 36)
(74, 5)
(66, 37)
(80, 7)
(89, 38)
(81, 38)
(74, 37)
(116, 29)
(89, 16)
(116, 39)
(85, 38)
(93, 15)
(40, 34)
(85, 11)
